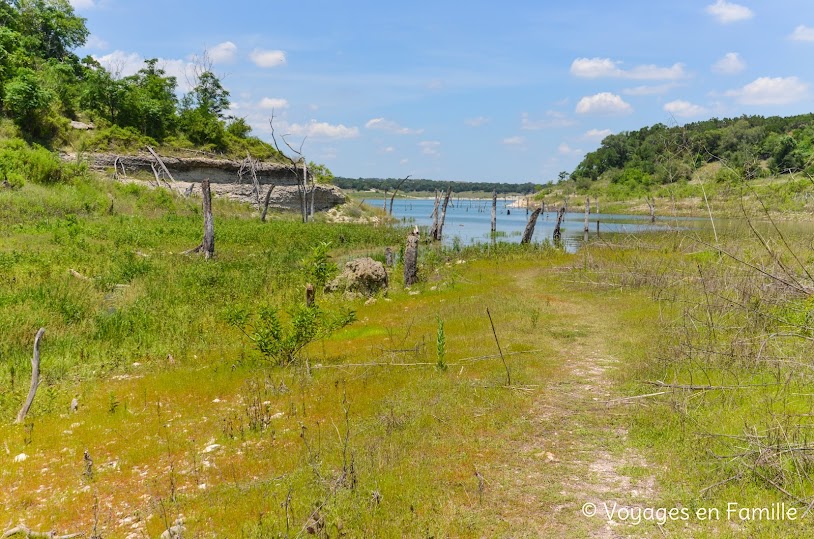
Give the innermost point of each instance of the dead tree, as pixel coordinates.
(411, 259)
(557, 236)
(494, 212)
(161, 163)
(392, 198)
(587, 213)
(293, 166)
(651, 203)
(529, 231)
(440, 230)
(388, 257)
(35, 379)
(266, 204)
(384, 202)
(434, 227)
(248, 166)
(207, 246)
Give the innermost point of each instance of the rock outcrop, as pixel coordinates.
(361, 275)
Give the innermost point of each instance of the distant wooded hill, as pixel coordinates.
(751, 146)
(410, 186)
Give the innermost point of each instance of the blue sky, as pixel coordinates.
(482, 91)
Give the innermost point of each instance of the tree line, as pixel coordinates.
(753, 146)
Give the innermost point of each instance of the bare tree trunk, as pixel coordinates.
(208, 245)
(384, 202)
(532, 222)
(557, 232)
(494, 212)
(411, 259)
(161, 163)
(597, 204)
(587, 213)
(35, 377)
(266, 204)
(651, 203)
(440, 230)
(392, 198)
(388, 257)
(434, 228)
(304, 193)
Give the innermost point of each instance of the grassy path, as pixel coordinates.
(391, 450)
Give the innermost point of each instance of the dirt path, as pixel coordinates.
(577, 454)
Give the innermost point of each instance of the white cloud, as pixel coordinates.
(552, 119)
(404, 161)
(730, 64)
(430, 147)
(388, 149)
(263, 58)
(121, 63)
(273, 103)
(565, 149)
(727, 12)
(223, 53)
(476, 122)
(771, 91)
(603, 103)
(594, 68)
(649, 90)
(95, 43)
(82, 4)
(684, 109)
(390, 126)
(317, 129)
(596, 134)
(514, 141)
(802, 33)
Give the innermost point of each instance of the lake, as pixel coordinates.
(468, 221)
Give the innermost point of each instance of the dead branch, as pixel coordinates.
(35, 379)
(266, 204)
(532, 222)
(161, 163)
(398, 185)
(508, 373)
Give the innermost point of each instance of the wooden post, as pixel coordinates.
(35, 377)
(440, 229)
(266, 204)
(309, 295)
(587, 212)
(208, 245)
(557, 232)
(411, 259)
(597, 226)
(494, 212)
(529, 232)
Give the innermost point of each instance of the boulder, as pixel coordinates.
(361, 275)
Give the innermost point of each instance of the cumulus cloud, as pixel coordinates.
(273, 103)
(121, 63)
(728, 12)
(95, 43)
(552, 119)
(771, 91)
(596, 134)
(684, 109)
(730, 64)
(476, 122)
(514, 141)
(430, 147)
(223, 53)
(565, 149)
(390, 126)
(603, 103)
(802, 33)
(270, 58)
(317, 130)
(594, 68)
(388, 149)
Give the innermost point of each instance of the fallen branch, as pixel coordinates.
(659, 383)
(25, 530)
(508, 373)
(35, 379)
(161, 163)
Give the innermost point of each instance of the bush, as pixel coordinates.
(32, 163)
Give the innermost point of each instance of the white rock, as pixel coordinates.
(21, 457)
(210, 448)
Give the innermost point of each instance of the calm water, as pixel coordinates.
(469, 220)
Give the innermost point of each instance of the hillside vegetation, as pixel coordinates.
(666, 161)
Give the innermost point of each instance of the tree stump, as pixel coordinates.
(411, 259)
(208, 245)
(557, 231)
(388, 257)
(494, 212)
(529, 231)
